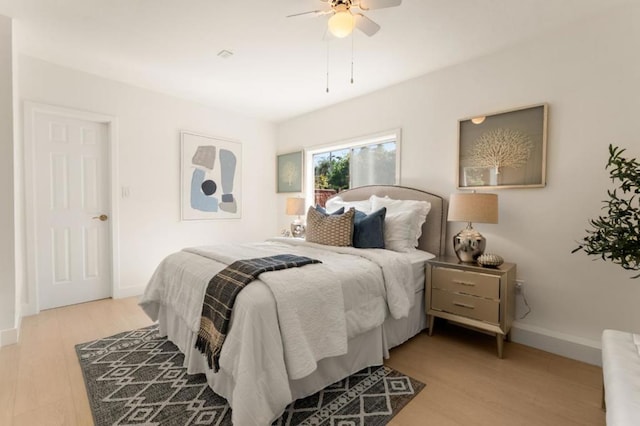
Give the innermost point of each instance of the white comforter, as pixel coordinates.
(355, 291)
(309, 302)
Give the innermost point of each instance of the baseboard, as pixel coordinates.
(9, 336)
(28, 309)
(123, 292)
(573, 347)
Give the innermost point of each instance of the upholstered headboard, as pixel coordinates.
(434, 229)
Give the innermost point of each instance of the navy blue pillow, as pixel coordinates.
(324, 211)
(368, 230)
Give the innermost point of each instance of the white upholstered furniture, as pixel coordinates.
(621, 373)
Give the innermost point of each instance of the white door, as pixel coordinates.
(72, 210)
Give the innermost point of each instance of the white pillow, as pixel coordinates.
(336, 202)
(420, 209)
(399, 234)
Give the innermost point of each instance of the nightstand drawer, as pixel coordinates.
(454, 280)
(468, 306)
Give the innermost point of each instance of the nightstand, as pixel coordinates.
(472, 295)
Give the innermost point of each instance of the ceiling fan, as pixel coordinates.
(344, 20)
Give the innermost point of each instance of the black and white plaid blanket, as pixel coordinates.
(221, 295)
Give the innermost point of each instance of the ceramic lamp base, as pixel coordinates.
(469, 244)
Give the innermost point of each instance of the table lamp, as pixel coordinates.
(471, 207)
(295, 207)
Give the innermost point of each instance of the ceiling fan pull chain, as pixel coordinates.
(352, 37)
(327, 66)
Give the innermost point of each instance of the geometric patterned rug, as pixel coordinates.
(137, 378)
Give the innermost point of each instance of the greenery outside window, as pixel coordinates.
(370, 160)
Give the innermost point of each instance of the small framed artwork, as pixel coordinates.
(503, 150)
(211, 174)
(290, 172)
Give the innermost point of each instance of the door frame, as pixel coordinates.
(31, 305)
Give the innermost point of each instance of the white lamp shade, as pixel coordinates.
(473, 207)
(295, 206)
(341, 24)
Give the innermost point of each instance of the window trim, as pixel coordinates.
(371, 139)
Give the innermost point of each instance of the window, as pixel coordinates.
(371, 160)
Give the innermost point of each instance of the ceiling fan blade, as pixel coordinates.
(314, 12)
(365, 24)
(378, 4)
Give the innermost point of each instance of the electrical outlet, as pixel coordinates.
(519, 286)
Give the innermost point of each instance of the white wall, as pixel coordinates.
(18, 191)
(588, 73)
(7, 240)
(149, 164)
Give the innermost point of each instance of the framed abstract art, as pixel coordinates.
(211, 174)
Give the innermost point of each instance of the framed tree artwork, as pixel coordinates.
(211, 177)
(503, 150)
(289, 169)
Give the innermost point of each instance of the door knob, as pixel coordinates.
(102, 217)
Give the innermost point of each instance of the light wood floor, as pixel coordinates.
(41, 382)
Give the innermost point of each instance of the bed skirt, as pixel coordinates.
(365, 350)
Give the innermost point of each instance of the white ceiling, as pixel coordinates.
(279, 65)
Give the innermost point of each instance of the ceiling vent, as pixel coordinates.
(225, 54)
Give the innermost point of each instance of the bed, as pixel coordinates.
(263, 368)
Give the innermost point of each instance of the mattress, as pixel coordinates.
(418, 260)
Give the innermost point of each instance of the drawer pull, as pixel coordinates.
(464, 305)
(465, 283)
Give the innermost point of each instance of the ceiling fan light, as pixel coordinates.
(341, 24)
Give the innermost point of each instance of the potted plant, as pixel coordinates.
(615, 236)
